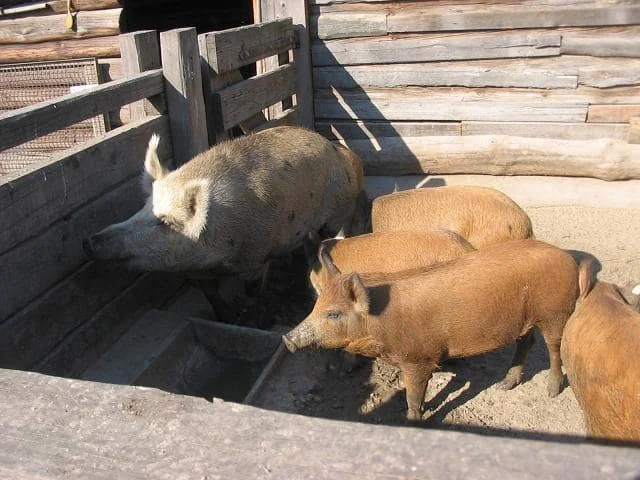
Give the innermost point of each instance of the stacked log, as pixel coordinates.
(500, 87)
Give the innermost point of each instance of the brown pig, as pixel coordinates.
(599, 350)
(470, 305)
(388, 252)
(482, 215)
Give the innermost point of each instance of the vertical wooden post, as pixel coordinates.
(297, 10)
(140, 52)
(183, 85)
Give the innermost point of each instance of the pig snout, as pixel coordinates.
(303, 336)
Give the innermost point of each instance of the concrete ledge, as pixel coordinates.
(60, 428)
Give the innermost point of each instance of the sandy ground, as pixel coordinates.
(463, 394)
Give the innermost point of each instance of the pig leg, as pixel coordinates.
(416, 378)
(554, 381)
(514, 375)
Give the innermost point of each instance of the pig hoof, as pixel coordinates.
(414, 416)
(508, 383)
(553, 389)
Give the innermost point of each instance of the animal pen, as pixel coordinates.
(541, 103)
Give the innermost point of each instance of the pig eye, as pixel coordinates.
(333, 315)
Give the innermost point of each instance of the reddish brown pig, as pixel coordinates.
(599, 350)
(482, 215)
(388, 252)
(479, 302)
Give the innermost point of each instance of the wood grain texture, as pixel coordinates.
(432, 48)
(465, 74)
(236, 47)
(60, 6)
(92, 338)
(19, 126)
(240, 101)
(568, 131)
(183, 89)
(499, 155)
(99, 47)
(34, 200)
(359, 130)
(613, 113)
(140, 53)
(416, 17)
(298, 11)
(34, 266)
(451, 104)
(565, 71)
(27, 337)
(35, 29)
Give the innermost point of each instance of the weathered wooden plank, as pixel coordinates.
(182, 72)
(634, 130)
(298, 11)
(34, 266)
(288, 117)
(239, 101)
(612, 113)
(348, 24)
(415, 103)
(467, 74)
(499, 155)
(568, 131)
(140, 53)
(30, 335)
(19, 126)
(98, 47)
(91, 339)
(60, 6)
(416, 17)
(623, 42)
(110, 69)
(34, 200)
(236, 47)
(431, 48)
(34, 29)
(545, 72)
(350, 130)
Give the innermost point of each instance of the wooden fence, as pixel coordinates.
(455, 86)
(49, 294)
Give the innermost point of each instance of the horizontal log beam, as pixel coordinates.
(467, 74)
(22, 125)
(241, 100)
(499, 155)
(99, 47)
(60, 6)
(566, 71)
(612, 113)
(432, 48)
(450, 104)
(420, 17)
(567, 131)
(236, 47)
(358, 130)
(35, 29)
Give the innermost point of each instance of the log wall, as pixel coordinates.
(498, 87)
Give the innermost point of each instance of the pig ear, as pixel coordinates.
(196, 208)
(357, 293)
(154, 170)
(326, 262)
